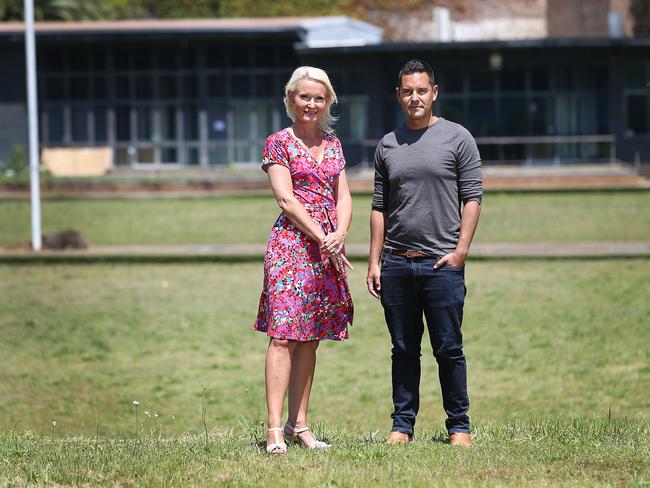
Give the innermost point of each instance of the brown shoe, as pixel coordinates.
(398, 438)
(460, 439)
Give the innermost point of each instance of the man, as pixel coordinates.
(425, 207)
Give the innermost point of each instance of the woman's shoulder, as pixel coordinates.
(331, 137)
(279, 136)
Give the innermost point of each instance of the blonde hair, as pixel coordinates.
(315, 74)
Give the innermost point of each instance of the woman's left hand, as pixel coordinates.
(333, 243)
(339, 261)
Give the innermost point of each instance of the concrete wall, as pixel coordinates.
(586, 18)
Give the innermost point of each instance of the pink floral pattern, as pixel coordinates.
(304, 297)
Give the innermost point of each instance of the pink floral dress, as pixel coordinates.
(304, 297)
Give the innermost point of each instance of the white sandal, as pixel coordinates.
(293, 435)
(276, 447)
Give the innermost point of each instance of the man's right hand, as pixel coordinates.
(373, 280)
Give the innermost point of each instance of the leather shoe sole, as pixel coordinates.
(460, 439)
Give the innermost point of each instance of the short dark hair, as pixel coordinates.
(416, 66)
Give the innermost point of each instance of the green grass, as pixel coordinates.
(554, 348)
(506, 217)
(538, 453)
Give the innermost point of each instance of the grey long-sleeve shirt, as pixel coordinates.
(421, 179)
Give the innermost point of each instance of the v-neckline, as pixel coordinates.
(304, 146)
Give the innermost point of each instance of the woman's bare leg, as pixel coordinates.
(302, 375)
(277, 372)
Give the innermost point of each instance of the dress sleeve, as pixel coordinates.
(275, 152)
(341, 158)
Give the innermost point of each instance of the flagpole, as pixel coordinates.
(32, 109)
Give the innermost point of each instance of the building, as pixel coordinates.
(208, 92)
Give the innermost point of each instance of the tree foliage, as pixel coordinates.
(640, 10)
(12, 10)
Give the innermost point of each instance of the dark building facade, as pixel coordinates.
(183, 93)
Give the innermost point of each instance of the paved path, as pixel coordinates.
(356, 251)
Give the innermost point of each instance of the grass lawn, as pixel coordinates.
(506, 217)
(558, 355)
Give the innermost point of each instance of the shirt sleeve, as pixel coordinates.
(275, 152)
(470, 173)
(380, 194)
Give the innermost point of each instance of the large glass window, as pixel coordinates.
(79, 123)
(54, 88)
(144, 123)
(122, 87)
(167, 86)
(190, 124)
(217, 122)
(514, 116)
(453, 109)
(637, 98)
(168, 123)
(79, 88)
(123, 123)
(100, 125)
(541, 116)
(143, 87)
(55, 125)
(217, 86)
(482, 118)
(637, 114)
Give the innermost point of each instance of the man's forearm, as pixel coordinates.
(468, 223)
(377, 231)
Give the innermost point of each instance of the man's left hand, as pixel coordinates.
(453, 260)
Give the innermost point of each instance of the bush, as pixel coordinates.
(16, 164)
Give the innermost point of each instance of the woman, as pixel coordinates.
(305, 297)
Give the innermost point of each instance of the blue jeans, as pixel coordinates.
(409, 288)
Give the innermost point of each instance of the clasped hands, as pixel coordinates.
(332, 247)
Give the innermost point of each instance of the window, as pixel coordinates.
(168, 123)
(123, 124)
(481, 116)
(55, 125)
(190, 124)
(100, 125)
(99, 88)
(217, 86)
(241, 86)
(217, 122)
(514, 116)
(79, 88)
(144, 123)
(122, 87)
(190, 87)
(167, 86)
(54, 88)
(169, 155)
(637, 114)
(143, 88)
(79, 119)
(637, 98)
(453, 109)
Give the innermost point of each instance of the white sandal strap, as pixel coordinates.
(276, 445)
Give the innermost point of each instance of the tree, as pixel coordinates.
(640, 10)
